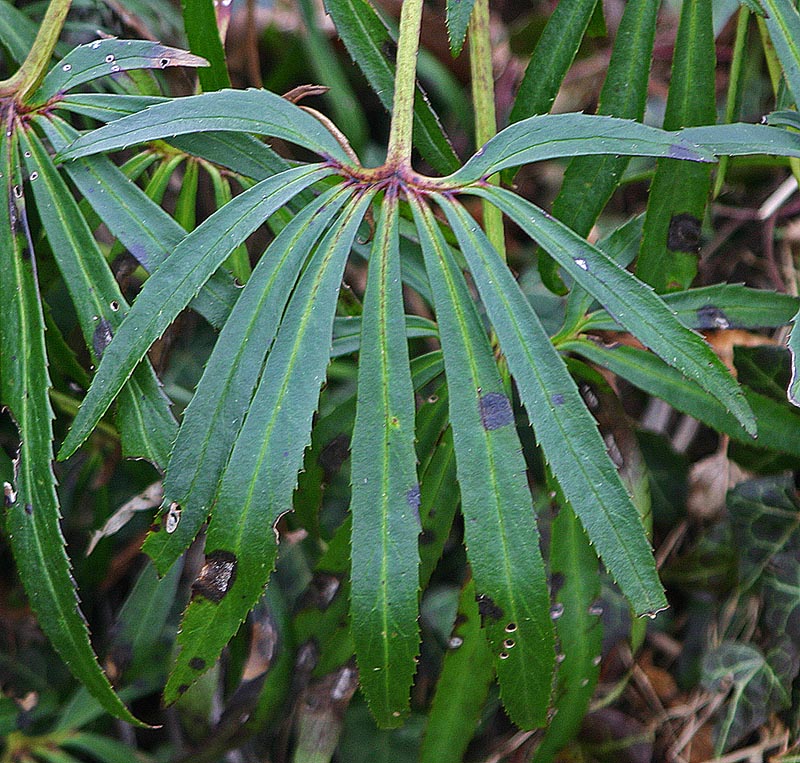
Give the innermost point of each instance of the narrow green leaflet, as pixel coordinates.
(385, 490)
(783, 23)
(679, 191)
(31, 505)
(251, 111)
(102, 58)
(439, 494)
(143, 227)
(462, 687)
(256, 487)
(777, 428)
(106, 107)
(575, 582)
(458, 13)
(631, 303)
(372, 47)
(171, 288)
(720, 306)
(551, 136)
(564, 427)
(741, 139)
(212, 421)
(499, 522)
(144, 418)
(554, 53)
(347, 332)
(202, 31)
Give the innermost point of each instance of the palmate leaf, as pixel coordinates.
(214, 417)
(171, 288)
(499, 523)
(632, 304)
(146, 425)
(385, 490)
(255, 111)
(32, 516)
(256, 487)
(564, 427)
(103, 58)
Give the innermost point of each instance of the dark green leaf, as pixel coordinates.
(462, 686)
(679, 191)
(386, 493)
(256, 488)
(575, 581)
(564, 427)
(32, 516)
(146, 230)
(783, 22)
(551, 136)
(17, 32)
(755, 689)
(171, 288)
(499, 523)
(200, 23)
(632, 304)
(794, 348)
(552, 57)
(251, 111)
(144, 418)
(721, 306)
(214, 417)
(458, 13)
(103, 58)
(765, 516)
(372, 47)
(777, 424)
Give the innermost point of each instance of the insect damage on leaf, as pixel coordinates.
(216, 576)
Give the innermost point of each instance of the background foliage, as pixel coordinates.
(424, 580)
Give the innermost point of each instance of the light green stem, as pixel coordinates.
(29, 76)
(480, 59)
(400, 132)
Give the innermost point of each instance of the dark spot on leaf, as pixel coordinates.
(163, 63)
(155, 527)
(103, 334)
(556, 583)
(183, 688)
(557, 399)
(333, 455)
(216, 576)
(684, 233)
(712, 317)
(496, 411)
(139, 253)
(511, 627)
(460, 620)
(412, 499)
(321, 591)
(197, 663)
(29, 508)
(679, 151)
(488, 609)
(427, 537)
(389, 50)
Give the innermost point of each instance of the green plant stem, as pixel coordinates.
(400, 132)
(28, 77)
(480, 61)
